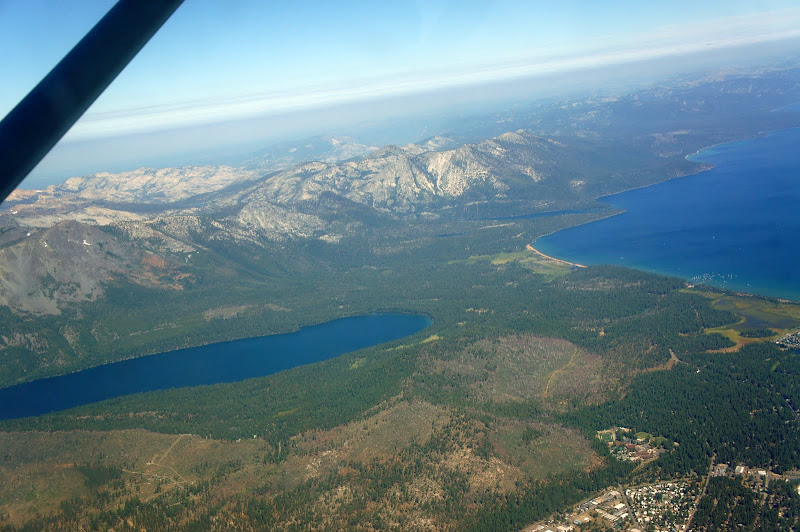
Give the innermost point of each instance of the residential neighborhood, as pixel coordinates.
(662, 507)
(789, 341)
(667, 506)
(608, 510)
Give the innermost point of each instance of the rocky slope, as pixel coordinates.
(69, 263)
(415, 180)
(146, 185)
(418, 179)
(156, 218)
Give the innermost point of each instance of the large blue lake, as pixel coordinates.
(736, 226)
(208, 364)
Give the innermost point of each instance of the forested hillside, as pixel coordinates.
(486, 420)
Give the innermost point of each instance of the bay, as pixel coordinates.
(735, 226)
(208, 364)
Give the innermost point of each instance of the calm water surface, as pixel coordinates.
(208, 364)
(736, 226)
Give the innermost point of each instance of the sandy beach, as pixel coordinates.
(548, 257)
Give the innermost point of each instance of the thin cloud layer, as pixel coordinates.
(670, 41)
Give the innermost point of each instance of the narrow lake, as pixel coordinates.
(209, 364)
(735, 226)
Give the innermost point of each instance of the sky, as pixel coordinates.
(219, 61)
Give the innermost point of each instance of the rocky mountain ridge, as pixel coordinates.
(171, 213)
(320, 192)
(416, 180)
(409, 181)
(70, 262)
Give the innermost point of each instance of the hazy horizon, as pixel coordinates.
(218, 83)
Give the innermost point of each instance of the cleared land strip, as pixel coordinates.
(179, 438)
(570, 363)
(145, 474)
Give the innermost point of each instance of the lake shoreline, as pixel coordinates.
(211, 364)
(559, 261)
(711, 166)
(219, 342)
(600, 198)
(654, 226)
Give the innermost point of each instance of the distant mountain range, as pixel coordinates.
(59, 245)
(325, 148)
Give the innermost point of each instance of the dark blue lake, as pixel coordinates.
(209, 364)
(736, 226)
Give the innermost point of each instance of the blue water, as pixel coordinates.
(736, 226)
(208, 364)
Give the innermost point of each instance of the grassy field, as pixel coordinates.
(528, 258)
(756, 312)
